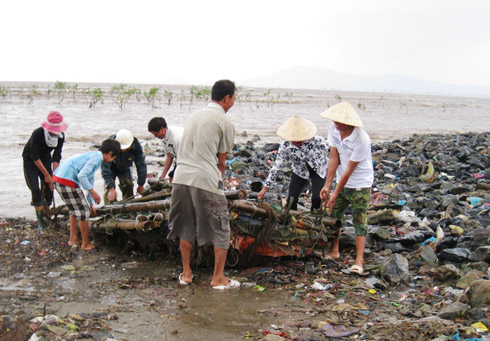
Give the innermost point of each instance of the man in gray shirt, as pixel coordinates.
(199, 209)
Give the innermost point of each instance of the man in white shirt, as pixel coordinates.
(351, 162)
(171, 137)
(198, 208)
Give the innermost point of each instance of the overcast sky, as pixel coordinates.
(146, 41)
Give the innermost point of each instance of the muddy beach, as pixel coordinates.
(123, 293)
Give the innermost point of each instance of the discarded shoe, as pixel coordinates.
(181, 281)
(356, 269)
(231, 284)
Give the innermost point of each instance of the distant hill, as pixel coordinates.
(320, 78)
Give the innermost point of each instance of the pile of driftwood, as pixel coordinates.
(257, 227)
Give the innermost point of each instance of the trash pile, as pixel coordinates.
(426, 273)
(428, 246)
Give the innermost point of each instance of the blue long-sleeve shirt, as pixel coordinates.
(81, 169)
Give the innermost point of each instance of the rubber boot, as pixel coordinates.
(41, 224)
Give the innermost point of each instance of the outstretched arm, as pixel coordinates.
(333, 163)
(168, 163)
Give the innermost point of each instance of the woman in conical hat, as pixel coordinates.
(39, 164)
(351, 162)
(307, 153)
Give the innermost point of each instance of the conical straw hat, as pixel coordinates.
(343, 113)
(297, 128)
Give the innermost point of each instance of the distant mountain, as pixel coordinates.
(320, 78)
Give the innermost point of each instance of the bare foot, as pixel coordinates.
(334, 255)
(74, 242)
(88, 247)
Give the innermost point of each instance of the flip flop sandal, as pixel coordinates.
(355, 270)
(181, 281)
(231, 284)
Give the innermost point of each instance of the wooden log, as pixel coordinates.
(124, 225)
(150, 206)
(154, 196)
(236, 195)
(253, 210)
(230, 195)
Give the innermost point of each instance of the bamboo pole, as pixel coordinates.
(124, 225)
(154, 196)
(251, 209)
(150, 206)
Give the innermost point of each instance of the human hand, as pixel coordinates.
(331, 201)
(324, 194)
(49, 181)
(93, 212)
(262, 192)
(111, 195)
(141, 189)
(96, 197)
(170, 180)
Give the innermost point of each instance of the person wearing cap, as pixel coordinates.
(198, 206)
(121, 168)
(171, 137)
(351, 162)
(307, 153)
(39, 164)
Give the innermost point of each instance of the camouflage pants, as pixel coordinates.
(359, 199)
(126, 187)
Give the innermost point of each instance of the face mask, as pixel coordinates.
(51, 141)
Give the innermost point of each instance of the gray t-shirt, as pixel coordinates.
(207, 132)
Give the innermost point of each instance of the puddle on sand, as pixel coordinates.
(24, 284)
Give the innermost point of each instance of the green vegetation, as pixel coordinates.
(289, 96)
(203, 94)
(123, 94)
(60, 89)
(74, 90)
(97, 94)
(151, 95)
(3, 91)
(168, 95)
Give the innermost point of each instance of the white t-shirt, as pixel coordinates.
(356, 147)
(171, 141)
(207, 132)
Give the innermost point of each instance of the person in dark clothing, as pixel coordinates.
(121, 167)
(39, 164)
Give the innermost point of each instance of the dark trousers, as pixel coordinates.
(41, 193)
(297, 185)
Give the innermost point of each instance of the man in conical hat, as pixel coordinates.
(307, 153)
(351, 162)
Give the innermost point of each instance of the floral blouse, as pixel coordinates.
(312, 152)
